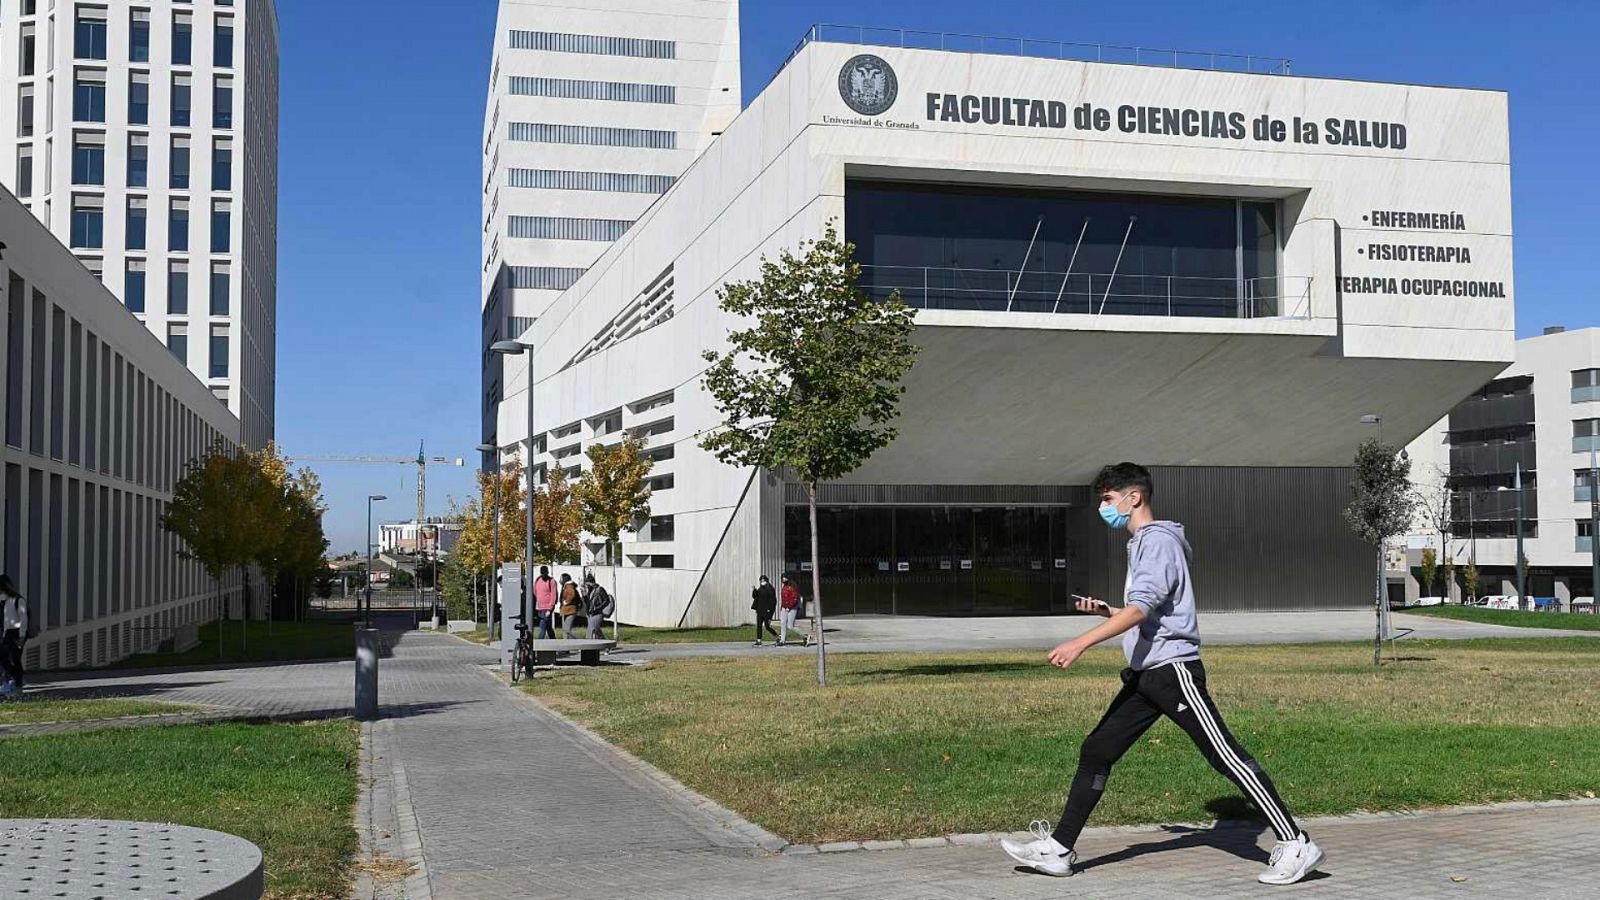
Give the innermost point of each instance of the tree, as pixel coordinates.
(1428, 571)
(455, 586)
(1381, 507)
(1473, 581)
(813, 380)
(612, 497)
(1435, 501)
(557, 520)
(210, 514)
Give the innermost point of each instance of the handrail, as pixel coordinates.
(912, 39)
(1092, 293)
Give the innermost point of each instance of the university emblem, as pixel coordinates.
(868, 85)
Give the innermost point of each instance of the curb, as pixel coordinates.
(159, 720)
(749, 832)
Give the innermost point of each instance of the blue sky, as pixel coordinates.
(382, 108)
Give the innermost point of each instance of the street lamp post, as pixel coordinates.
(494, 565)
(367, 616)
(1522, 562)
(518, 348)
(1594, 525)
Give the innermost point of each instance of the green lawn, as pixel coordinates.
(30, 711)
(290, 789)
(1515, 617)
(257, 642)
(913, 745)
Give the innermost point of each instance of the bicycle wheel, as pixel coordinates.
(519, 661)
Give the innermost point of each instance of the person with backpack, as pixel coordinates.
(571, 605)
(544, 603)
(600, 606)
(13, 634)
(791, 601)
(1161, 639)
(764, 600)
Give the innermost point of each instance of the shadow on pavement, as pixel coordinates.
(1235, 832)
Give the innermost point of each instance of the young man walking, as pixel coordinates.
(1164, 677)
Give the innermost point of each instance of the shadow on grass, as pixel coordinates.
(933, 670)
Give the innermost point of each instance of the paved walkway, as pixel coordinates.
(491, 796)
(914, 634)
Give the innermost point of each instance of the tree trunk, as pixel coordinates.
(244, 618)
(1377, 640)
(222, 612)
(816, 589)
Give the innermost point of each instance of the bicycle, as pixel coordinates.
(522, 652)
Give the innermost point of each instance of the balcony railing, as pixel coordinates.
(1583, 544)
(1041, 49)
(1586, 393)
(1011, 290)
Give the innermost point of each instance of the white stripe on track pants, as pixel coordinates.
(1177, 691)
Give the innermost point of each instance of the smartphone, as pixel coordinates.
(1091, 600)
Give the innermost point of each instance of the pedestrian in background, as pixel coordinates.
(571, 605)
(598, 606)
(13, 634)
(791, 601)
(544, 603)
(764, 600)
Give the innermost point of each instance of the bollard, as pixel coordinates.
(367, 673)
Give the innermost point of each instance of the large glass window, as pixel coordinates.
(178, 341)
(219, 289)
(221, 226)
(222, 44)
(139, 99)
(25, 111)
(89, 96)
(139, 35)
(997, 248)
(180, 100)
(1585, 385)
(946, 560)
(222, 103)
(89, 33)
(25, 171)
(137, 222)
(222, 166)
(219, 351)
(88, 159)
(178, 289)
(178, 225)
(138, 160)
(180, 162)
(88, 223)
(182, 39)
(133, 286)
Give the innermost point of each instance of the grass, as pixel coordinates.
(257, 642)
(289, 789)
(1515, 617)
(33, 712)
(913, 745)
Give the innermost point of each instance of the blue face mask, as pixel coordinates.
(1113, 518)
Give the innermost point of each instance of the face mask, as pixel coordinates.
(1113, 518)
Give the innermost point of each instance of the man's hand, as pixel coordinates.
(1066, 654)
(1092, 606)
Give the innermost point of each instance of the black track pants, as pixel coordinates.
(1177, 691)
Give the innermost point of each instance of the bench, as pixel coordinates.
(546, 650)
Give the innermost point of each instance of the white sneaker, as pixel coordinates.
(1044, 854)
(1292, 861)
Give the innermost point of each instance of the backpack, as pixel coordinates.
(600, 602)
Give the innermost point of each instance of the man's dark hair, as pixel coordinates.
(544, 571)
(1122, 476)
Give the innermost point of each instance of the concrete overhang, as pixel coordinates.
(1051, 403)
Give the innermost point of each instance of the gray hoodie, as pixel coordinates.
(1158, 583)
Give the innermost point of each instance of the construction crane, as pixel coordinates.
(422, 461)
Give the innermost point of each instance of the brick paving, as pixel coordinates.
(493, 797)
